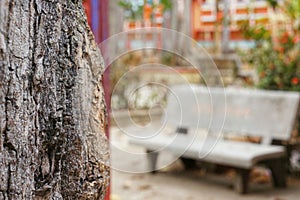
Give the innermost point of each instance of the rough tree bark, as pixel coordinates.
(52, 110)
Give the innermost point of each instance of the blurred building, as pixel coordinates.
(207, 17)
(206, 13)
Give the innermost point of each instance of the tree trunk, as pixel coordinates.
(52, 110)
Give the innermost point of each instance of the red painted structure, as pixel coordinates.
(97, 15)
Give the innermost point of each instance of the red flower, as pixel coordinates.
(296, 39)
(262, 74)
(279, 49)
(284, 38)
(295, 81)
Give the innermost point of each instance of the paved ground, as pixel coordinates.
(174, 183)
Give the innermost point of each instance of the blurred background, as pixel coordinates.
(253, 42)
(235, 43)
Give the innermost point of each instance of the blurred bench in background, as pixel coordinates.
(203, 117)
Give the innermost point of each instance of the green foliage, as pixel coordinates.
(276, 56)
(125, 5)
(135, 11)
(278, 67)
(258, 33)
(273, 3)
(167, 4)
(132, 12)
(293, 9)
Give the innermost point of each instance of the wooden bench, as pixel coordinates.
(202, 117)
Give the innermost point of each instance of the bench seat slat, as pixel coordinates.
(225, 152)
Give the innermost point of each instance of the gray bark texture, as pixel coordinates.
(52, 110)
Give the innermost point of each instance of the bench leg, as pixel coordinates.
(152, 160)
(279, 171)
(188, 163)
(242, 181)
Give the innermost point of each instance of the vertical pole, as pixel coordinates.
(217, 36)
(226, 32)
(95, 19)
(104, 20)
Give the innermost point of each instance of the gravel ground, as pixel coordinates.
(175, 183)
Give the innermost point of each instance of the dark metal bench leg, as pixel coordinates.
(241, 183)
(152, 160)
(279, 171)
(188, 163)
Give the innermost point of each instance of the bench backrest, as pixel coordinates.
(268, 114)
